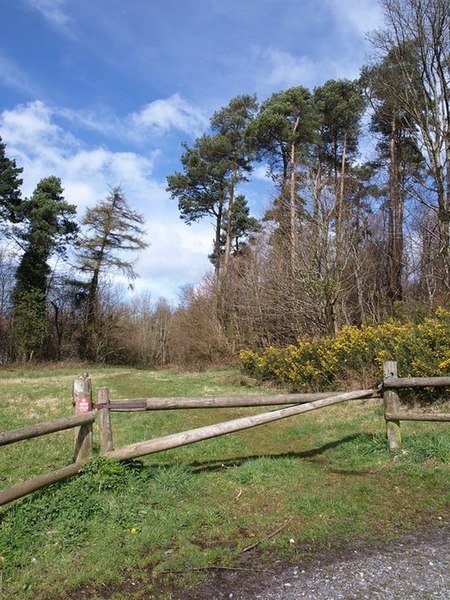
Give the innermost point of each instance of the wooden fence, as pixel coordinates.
(298, 404)
(82, 423)
(301, 405)
(392, 405)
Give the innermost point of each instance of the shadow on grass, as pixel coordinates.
(138, 468)
(217, 465)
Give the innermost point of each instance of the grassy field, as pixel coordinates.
(134, 529)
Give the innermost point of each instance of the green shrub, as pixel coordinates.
(421, 350)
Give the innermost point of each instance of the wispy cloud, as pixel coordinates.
(99, 118)
(360, 17)
(52, 10)
(171, 113)
(286, 70)
(261, 173)
(13, 77)
(279, 69)
(158, 118)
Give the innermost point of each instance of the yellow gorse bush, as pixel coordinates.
(420, 349)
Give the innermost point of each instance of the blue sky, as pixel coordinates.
(102, 92)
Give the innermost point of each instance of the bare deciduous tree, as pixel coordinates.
(416, 38)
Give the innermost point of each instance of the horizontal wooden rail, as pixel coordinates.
(183, 402)
(416, 382)
(32, 431)
(32, 485)
(210, 431)
(404, 416)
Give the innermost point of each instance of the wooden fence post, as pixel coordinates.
(104, 423)
(82, 402)
(391, 402)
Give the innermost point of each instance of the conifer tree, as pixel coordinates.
(112, 227)
(212, 169)
(10, 182)
(47, 228)
(284, 126)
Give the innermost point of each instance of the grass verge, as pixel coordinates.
(143, 527)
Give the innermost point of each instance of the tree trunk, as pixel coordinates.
(293, 224)
(217, 254)
(395, 220)
(342, 183)
(230, 213)
(339, 314)
(444, 220)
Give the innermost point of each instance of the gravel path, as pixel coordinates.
(416, 567)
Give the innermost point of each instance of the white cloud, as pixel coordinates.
(44, 148)
(360, 17)
(177, 254)
(339, 55)
(52, 10)
(175, 248)
(99, 118)
(171, 113)
(261, 172)
(13, 77)
(286, 70)
(29, 123)
(283, 70)
(40, 146)
(157, 117)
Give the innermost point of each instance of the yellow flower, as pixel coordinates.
(445, 365)
(133, 530)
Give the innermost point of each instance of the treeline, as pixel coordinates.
(357, 229)
(53, 312)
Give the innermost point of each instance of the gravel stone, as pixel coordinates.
(415, 567)
(418, 570)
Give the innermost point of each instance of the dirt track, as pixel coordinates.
(416, 567)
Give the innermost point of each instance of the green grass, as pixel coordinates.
(321, 478)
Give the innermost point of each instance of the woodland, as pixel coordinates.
(357, 230)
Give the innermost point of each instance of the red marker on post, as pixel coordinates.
(82, 402)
